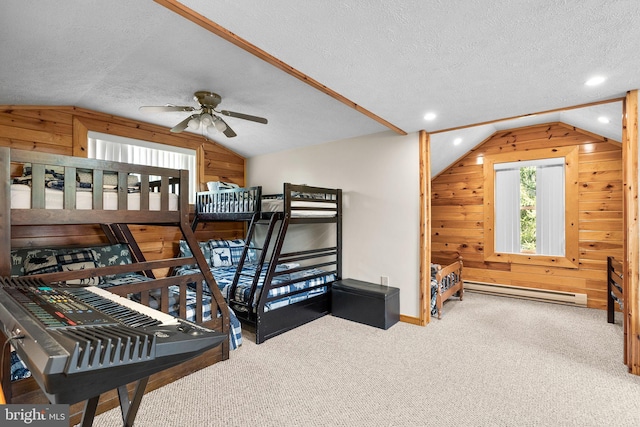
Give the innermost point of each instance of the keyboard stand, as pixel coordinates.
(129, 408)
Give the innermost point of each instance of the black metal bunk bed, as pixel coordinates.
(275, 289)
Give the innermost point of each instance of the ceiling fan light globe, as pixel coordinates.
(194, 123)
(220, 125)
(206, 120)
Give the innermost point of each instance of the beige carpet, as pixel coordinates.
(489, 361)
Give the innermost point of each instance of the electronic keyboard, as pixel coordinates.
(80, 341)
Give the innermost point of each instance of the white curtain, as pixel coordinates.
(507, 211)
(550, 206)
(126, 150)
(550, 236)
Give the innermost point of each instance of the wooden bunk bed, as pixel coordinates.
(445, 282)
(273, 288)
(150, 202)
(614, 288)
(615, 296)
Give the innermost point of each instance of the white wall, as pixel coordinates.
(379, 176)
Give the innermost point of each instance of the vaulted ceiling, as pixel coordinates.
(330, 70)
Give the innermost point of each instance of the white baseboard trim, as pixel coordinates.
(544, 295)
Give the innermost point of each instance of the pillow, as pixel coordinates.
(19, 258)
(84, 177)
(185, 252)
(222, 257)
(235, 247)
(81, 260)
(109, 179)
(220, 185)
(50, 174)
(116, 254)
(40, 264)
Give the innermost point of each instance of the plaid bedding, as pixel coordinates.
(235, 329)
(224, 277)
(18, 369)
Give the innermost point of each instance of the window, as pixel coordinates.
(127, 150)
(531, 207)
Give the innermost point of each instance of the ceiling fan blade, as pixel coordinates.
(164, 108)
(182, 125)
(228, 131)
(244, 116)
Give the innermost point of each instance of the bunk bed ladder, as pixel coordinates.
(262, 250)
(266, 286)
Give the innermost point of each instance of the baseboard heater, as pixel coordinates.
(545, 295)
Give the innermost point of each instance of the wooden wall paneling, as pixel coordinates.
(37, 136)
(157, 134)
(221, 166)
(425, 228)
(57, 236)
(80, 138)
(33, 146)
(458, 196)
(48, 121)
(631, 262)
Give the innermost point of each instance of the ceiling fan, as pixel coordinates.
(205, 116)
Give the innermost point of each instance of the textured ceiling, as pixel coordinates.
(468, 61)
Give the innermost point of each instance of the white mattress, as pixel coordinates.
(277, 205)
(21, 199)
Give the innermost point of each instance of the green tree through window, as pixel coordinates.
(528, 209)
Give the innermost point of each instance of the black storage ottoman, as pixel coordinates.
(365, 302)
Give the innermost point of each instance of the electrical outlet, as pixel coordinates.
(384, 280)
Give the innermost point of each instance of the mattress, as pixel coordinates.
(277, 205)
(224, 277)
(21, 199)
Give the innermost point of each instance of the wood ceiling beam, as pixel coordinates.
(216, 29)
(555, 110)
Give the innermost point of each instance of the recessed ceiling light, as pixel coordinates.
(430, 116)
(603, 119)
(595, 81)
(457, 141)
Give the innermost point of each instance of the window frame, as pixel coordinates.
(117, 139)
(571, 256)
